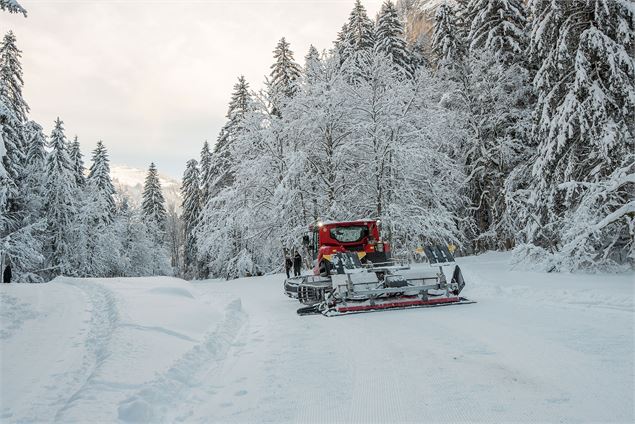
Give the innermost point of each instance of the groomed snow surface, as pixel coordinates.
(536, 347)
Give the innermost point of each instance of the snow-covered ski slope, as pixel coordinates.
(536, 347)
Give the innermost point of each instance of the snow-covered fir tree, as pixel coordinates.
(77, 162)
(312, 64)
(34, 168)
(285, 73)
(155, 219)
(191, 193)
(60, 204)
(14, 111)
(498, 26)
(220, 169)
(11, 77)
(153, 204)
(447, 43)
(340, 45)
(360, 31)
(100, 184)
(389, 38)
(205, 171)
(12, 6)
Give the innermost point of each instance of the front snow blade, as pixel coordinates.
(404, 304)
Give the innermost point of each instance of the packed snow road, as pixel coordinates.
(536, 347)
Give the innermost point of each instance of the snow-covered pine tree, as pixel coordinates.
(11, 81)
(498, 26)
(582, 198)
(153, 203)
(77, 162)
(60, 204)
(340, 45)
(191, 193)
(464, 15)
(205, 171)
(36, 143)
(221, 174)
(312, 65)
(14, 111)
(10, 172)
(100, 184)
(390, 40)
(285, 74)
(35, 165)
(12, 6)
(447, 44)
(360, 32)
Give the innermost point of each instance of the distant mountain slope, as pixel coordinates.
(129, 181)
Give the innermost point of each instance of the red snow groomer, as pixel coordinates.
(358, 237)
(354, 273)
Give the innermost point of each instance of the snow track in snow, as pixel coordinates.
(161, 396)
(103, 322)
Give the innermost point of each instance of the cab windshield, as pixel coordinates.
(349, 234)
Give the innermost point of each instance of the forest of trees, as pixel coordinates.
(509, 126)
(55, 217)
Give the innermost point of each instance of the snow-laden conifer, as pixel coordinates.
(498, 26)
(191, 206)
(77, 162)
(35, 167)
(99, 184)
(312, 65)
(360, 31)
(14, 116)
(390, 38)
(447, 44)
(60, 204)
(205, 165)
(11, 81)
(12, 6)
(153, 204)
(221, 172)
(285, 73)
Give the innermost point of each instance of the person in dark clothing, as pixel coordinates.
(6, 276)
(297, 264)
(288, 263)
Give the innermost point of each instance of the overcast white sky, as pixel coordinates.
(153, 78)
